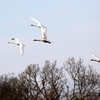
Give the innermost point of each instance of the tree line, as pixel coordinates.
(72, 81)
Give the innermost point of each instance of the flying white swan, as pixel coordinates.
(96, 58)
(20, 44)
(43, 30)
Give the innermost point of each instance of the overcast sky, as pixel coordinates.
(72, 25)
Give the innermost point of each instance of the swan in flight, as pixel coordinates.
(20, 44)
(96, 58)
(43, 30)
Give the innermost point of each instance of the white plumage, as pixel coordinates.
(43, 30)
(17, 42)
(96, 58)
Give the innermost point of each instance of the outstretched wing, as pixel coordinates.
(36, 21)
(21, 49)
(44, 32)
(43, 28)
(94, 56)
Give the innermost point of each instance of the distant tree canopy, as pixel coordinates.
(73, 81)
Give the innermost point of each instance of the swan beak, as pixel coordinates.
(32, 25)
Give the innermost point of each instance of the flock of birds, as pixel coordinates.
(44, 39)
(44, 36)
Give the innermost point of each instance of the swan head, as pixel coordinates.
(13, 38)
(91, 59)
(35, 40)
(32, 25)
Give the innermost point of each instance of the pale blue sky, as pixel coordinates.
(72, 25)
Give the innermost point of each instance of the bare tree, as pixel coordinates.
(29, 82)
(74, 81)
(54, 81)
(84, 81)
(45, 84)
(8, 88)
